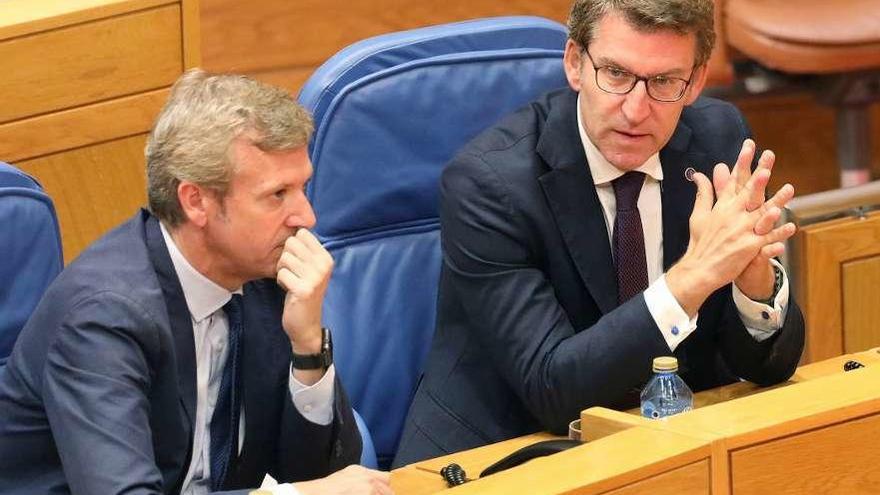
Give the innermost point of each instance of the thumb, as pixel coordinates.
(705, 194)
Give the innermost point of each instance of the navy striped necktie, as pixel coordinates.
(224, 421)
(628, 239)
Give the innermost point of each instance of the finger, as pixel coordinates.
(752, 194)
(780, 234)
(767, 160)
(743, 168)
(773, 250)
(381, 475)
(705, 195)
(381, 486)
(296, 245)
(767, 220)
(298, 266)
(309, 241)
(765, 165)
(287, 280)
(315, 247)
(295, 286)
(782, 197)
(720, 176)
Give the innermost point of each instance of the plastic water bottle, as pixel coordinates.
(666, 394)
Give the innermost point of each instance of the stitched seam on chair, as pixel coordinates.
(384, 232)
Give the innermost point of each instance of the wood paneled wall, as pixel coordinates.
(282, 42)
(83, 81)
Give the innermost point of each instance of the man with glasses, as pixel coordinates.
(583, 237)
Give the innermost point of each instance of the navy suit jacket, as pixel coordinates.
(99, 393)
(529, 331)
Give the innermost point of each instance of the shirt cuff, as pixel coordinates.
(762, 320)
(314, 402)
(271, 486)
(671, 319)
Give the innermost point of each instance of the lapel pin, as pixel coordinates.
(689, 173)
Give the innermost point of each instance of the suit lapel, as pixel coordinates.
(178, 315)
(571, 194)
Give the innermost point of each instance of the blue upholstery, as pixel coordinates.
(368, 454)
(30, 251)
(390, 112)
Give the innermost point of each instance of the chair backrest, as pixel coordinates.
(390, 112)
(30, 251)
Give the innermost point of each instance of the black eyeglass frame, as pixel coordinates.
(637, 78)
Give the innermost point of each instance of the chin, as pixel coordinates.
(628, 162)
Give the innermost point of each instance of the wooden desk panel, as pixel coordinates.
(860, 282)
(829, 460)
(634, 460)
(91, 62)
(825, 249)
(690, 479)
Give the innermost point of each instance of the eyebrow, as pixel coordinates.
(606, 62)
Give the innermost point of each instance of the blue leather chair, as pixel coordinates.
(30, 251)
(390, 111)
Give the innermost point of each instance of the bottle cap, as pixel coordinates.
(665, 363)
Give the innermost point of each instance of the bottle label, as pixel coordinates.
(664, 408)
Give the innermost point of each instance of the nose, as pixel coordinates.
(636, 104)
(302, 214)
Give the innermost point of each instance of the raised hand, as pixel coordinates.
(733, 238)
(304, 270)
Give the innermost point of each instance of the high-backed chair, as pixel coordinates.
(834, 46)
(390, 112)
(30, 251)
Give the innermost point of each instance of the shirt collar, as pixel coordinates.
(604, 172)
(203, 297)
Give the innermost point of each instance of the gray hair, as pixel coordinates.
(205, 113)
(680, 16)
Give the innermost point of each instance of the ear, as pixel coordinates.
(196, 202)
(698, 82)
(573, 61)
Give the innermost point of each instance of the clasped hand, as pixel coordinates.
(732, 236)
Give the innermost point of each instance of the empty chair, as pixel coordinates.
(30, 251)
(390, 112)
(835, 44)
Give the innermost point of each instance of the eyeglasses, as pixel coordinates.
(617, 81)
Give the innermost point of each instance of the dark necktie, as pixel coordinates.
(224, 422)
(628, 239)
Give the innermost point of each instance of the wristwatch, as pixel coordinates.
(320, 360)
(777, 285)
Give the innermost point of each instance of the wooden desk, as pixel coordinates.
(83, 81)
(741, 439)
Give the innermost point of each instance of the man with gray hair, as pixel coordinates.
(582, 239)
(183, 352)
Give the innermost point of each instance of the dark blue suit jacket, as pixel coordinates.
(99, 394)
(529, 332)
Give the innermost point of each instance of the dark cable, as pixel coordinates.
(852, 365)
(454, 475)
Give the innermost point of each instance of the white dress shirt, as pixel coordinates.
(205, 301)
(761, 320)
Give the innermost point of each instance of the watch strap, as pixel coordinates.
(320, 360)
(777, 286)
